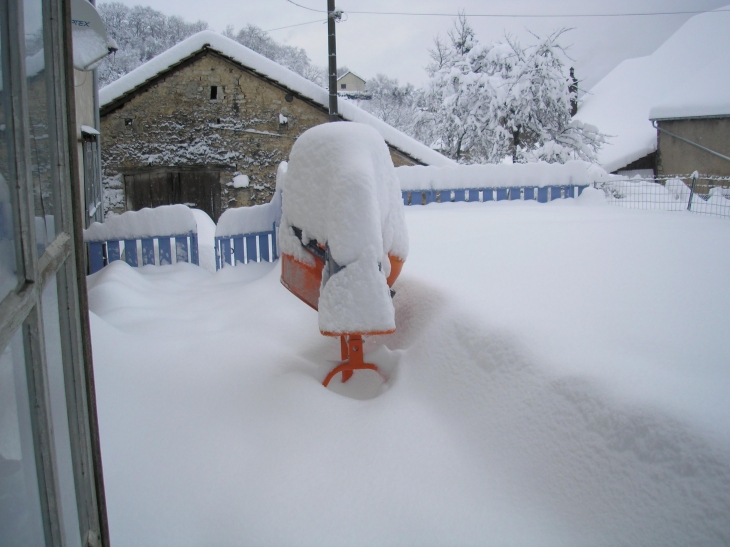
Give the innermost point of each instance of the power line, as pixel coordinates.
(305, 7)
(541, 16)
(518, 15)
(297, 25)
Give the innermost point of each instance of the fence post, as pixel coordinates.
(692, 190)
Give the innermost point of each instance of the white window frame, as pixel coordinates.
(62, 261)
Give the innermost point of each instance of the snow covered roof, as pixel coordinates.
(351, 72)
(705, 95)
(271, 70)
(686, 76)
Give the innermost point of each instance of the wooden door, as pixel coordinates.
(199, 189)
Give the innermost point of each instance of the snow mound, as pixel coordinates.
(240, 181)
(545, 387)
(341, 190)
(206, 240)
(579, 173)
(166, 220)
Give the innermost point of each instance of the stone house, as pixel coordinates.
(181, 127)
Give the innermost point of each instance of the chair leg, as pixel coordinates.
(354, 361)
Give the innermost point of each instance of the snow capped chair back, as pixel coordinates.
(342, 205)
(343, 236)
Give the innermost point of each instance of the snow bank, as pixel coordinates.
(271, 70)
(579, 173)
(240, 181)
(257, 218)
(621, 102)
(160, 221)
(558, 378)
(206, 240)
(341, 190)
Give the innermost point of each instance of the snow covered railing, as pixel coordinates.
(542, 182)
(248, 234)
(149, 233)
(244, 248)
(540, 194)
(702, 194)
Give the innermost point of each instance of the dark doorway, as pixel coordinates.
(196, 188)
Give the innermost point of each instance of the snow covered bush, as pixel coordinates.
(341, 190)
(488, 102)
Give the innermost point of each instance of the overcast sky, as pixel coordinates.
(397, 45)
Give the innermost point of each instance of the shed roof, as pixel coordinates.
(351, 72)
(677, 79)
(168, 60)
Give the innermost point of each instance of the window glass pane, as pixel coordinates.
(8, 272)
(40, 127)
(92, 180)
(20, 509)
(59, 413)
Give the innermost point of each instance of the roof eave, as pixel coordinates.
(678, 118)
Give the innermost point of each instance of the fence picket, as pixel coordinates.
(226, 247)
(239, 254)
(264, 246)
(148, 251)
(96, 256)
(181, 248)
(112, 251)
(163, 244)
(130, 252)
(251, 245)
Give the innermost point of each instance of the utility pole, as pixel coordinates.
(332, 15)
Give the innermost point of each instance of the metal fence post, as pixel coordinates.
(692, 190)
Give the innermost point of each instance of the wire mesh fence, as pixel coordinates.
(700, 194)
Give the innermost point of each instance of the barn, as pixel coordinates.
(207, 122)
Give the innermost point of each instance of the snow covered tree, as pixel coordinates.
(141, 33)
(489, 102)
(394, 104)
(293, 58)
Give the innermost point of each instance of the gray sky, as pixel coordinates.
(397, 45)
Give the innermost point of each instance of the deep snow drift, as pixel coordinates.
(558, 377)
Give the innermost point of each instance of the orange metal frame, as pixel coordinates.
(304, 281)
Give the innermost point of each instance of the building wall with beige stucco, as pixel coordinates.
(248, 128)
(351, 83)
(675, 157)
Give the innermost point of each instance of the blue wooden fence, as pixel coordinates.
(541, 194)
(102, 253)
(245, 248)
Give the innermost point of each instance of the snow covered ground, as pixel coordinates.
(559, 376)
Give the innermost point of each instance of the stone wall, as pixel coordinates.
(208, 112)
